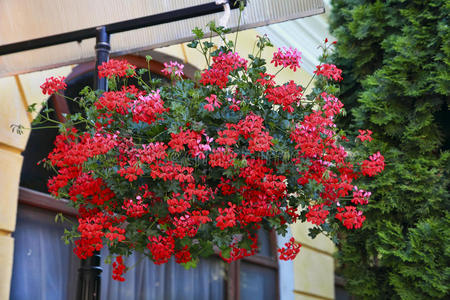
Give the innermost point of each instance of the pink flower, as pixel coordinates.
(287, 58)
(234, 104)
(361, 196)
(147, 108)
(212, 102)
(173, 68)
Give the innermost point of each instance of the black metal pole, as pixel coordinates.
(88, 286)
(102, 49)
(89, 279)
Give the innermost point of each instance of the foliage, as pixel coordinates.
(395, 60)
(193, 168)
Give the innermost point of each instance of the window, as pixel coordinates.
(339, 289)
(256, 277)
(171, 281)
(45, 268)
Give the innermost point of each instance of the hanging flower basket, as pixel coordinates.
(197, 167)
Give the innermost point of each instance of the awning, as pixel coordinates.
(22, 20)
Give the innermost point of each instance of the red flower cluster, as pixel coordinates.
(135, 210)
(329, 70)
(250, 128)
(183, 256)
(161, 248)
(71, 152)
(91, 231)
(146, 108)
(314, 139)
(374, 165)
(234, 104)
(316, 214)
(365, 135)
(193, 140)
(177, 205)
(118, 269)
(53, 84)
(227, 217)
(223, 65)
(114, 67)
(285, 95)
(93, 226)
(115, 233)
(238, 253)
(114, 101)
(222, 157)
(290, 250)
(266, 80)
(90, 189)
(350, 217)
(207, 175)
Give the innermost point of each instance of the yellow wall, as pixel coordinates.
(16, 93)
(313, 268)
(12, 110)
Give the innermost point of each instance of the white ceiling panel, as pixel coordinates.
(22, 20)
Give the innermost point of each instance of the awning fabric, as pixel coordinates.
(22, 20)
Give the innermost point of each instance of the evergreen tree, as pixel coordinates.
(395, 57)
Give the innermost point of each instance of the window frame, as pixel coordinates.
(29, 197)
(234, 269)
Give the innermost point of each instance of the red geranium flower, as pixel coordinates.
(53, 84)
(114, 67)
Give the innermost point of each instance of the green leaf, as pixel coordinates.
(226, 252)
(193, 44)
(142, 71)
(198, 33)
(212, 26)
(208, 44)
(31, 108)
(190, 264)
